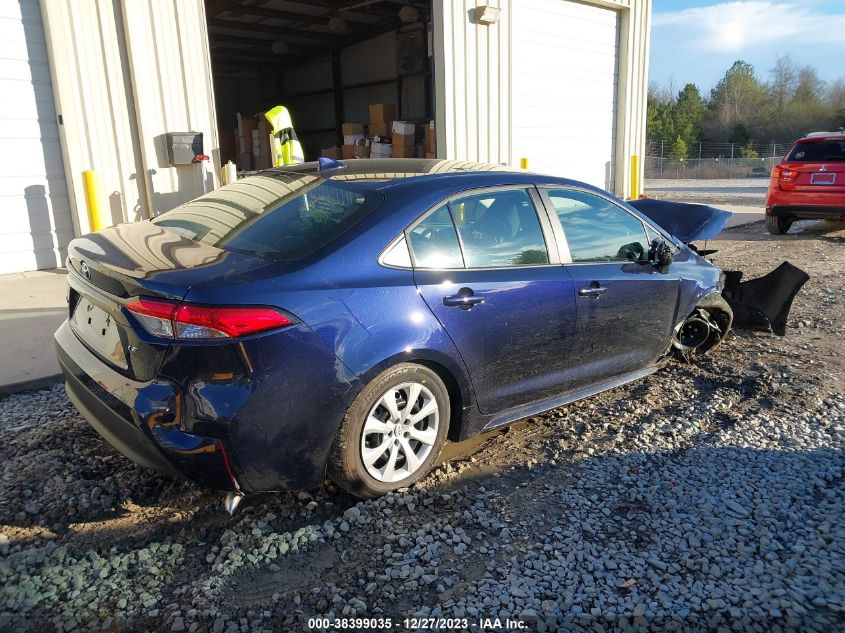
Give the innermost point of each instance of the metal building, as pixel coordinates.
(99, 84)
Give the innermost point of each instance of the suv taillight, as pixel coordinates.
(169, 319)
(783, 176)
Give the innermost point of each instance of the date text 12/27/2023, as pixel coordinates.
(418, 624)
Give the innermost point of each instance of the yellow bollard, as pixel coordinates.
(97, 217)
(635, 177)
(523, 163)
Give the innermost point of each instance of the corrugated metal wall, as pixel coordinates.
(473, 83)
(170, 64)
(118, 95)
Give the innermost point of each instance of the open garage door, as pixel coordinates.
(564, 72)
(36, 224)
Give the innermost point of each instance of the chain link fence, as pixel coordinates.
(713, 160)
(656, 167)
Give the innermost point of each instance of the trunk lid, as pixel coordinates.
(132, 260)
(686, 221)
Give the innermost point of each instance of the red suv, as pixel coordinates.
(809, 183)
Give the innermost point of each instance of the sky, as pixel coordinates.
(698, 40)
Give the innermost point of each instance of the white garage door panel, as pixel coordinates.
(37, 223)
(564, 70)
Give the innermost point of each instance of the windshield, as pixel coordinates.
(818, 151)
(281, 216)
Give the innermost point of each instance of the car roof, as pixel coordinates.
(392, 172)
(813, 137)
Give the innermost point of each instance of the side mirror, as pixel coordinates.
(660, 254)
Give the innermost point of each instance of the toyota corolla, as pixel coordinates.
(348, 319)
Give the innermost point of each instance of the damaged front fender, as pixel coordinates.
(763, 303)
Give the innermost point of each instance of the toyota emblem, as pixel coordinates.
(86, 272)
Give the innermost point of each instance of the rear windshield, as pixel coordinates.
(279, 216)
(818, 151)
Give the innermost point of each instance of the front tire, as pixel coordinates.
(777, 225)
(392, 433)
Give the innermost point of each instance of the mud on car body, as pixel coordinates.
(348, 319)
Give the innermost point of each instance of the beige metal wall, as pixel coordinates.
(124, 72)
(473, 83)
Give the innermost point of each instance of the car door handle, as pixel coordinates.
(465, 299)
(592, 291)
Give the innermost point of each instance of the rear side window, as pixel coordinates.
(435, 243)
(597, 230)
(498, 229)
(280, 216)
(818, 152)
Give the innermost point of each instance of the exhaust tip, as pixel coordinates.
(232, 501)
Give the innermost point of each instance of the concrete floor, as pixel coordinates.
(32, 306)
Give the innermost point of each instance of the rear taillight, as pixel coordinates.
(168, 319)
(783, 176)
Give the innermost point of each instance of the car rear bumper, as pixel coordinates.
(137, 418)
(256, 414)
(807, 211)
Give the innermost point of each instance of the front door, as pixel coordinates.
(625, 306)
(482, 264)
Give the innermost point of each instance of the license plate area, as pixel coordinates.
(823, 178)
(98, 329)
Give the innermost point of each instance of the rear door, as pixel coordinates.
(625, 306)
(487, 266)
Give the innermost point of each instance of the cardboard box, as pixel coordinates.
(352, 139)
(362, 151)
(403, 127)
(246, 124)
(379, 129)
(430, 155)
(330, 152)
(265, 158)
(227, 146)
(382, 113)
(400, 151)
(430, 137)
(245, 161)
(381, 150)
(403, 140)
(352, 128)
(347, 151)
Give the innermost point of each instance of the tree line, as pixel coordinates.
(744, 112)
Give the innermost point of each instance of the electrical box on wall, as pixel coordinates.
(183, 147)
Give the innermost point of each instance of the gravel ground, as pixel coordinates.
(730, 191)
(708, 496)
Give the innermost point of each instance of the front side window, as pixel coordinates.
(434, 242)
(596, 229)
(498, 229)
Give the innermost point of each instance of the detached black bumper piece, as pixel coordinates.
(763, 303)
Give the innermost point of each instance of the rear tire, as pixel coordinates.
(401, 420)
(777, 225)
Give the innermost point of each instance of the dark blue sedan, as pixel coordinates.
(348, 319)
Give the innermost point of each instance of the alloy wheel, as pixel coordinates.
(399, 432)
